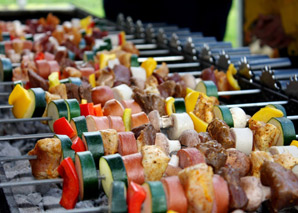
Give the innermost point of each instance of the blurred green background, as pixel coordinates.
(96, 7)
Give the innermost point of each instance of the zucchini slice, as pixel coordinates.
(57, 109)
(113, 169)
(287, 130)
(38, 103)
(66, 147)
(73, 108)
(155, 197)
(93, 142)
(207, 87)
(79, 124)
(2, 48)
(88, 56)
(117, 197)
(224, 113)
(5, 69)
(179, 105)
(134, 61)
(75, 80)
(88, 179)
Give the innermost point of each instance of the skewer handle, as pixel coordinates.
(21, 137)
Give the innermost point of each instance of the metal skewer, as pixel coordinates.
(15, 120)
(17, 158)
(30, 136)
(94, 209)
(35, 182)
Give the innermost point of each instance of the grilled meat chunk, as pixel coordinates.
(204, 137)
(214, 153)
(167, 88)
(198, 187)
(122, 75)
(283, 184)
(150, 102)
(85, 92)
(238, 198)
(189, 138)
(110, 141)
(204, 107)
(73, 91)
(238, 160)
(220, 131)
(48, 152)
(145, 135)
(257, 159)
(154, 161)
(37, 81)
(265, 134)
(59, 90)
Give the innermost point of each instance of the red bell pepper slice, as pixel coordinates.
(39, 56)
(98, 110)
(70, 191)
(78, 145)
(135, 197)
(63, 127)
(87, 109)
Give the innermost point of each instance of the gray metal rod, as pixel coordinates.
(84, 210)
(292, 117)
(35, 182)
(154, 52)
(6, 106)
(16, 120)
(7, 83)
(182, 65)
(163, 58)
(17, 158)
(21, 137)
(146, 46)
(256, 104)
(4, 93)
(137, 41)
(239, 92)
(194, 73)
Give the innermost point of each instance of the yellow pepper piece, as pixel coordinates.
(199, 124)
(191, 100)
(84, 101)
(188, 90)
(92, 80)
(294, 143)
(122, 39)
(230, 76)
(54, 79)
(170, 108)
(149, 65)
(104, 58)
(171, 211)
(85, 23)
(127, 119)
(20, 99)
(266, 113)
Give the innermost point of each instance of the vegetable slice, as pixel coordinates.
(155, 197)
(266, 113)
(57, 109)
(112, 168)
(224, 113)
(73, 108)
(93, 142)
(87, 174)
(38, 102)
(21, 101)
(79, 125)
(207, 87)
(5, 69)
(117, 197)
(286, 128)
(278, 106)
(66, 147)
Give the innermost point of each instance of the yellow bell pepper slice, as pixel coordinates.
(191, 100)
(170, 108)
(20, 99)
(266, 113)
(85, 24)
(294, 143)
(171, 211)
(54, 79)
(199, 124)
(104, 58)
(149, 65)
(92, 80)
(230, 76)
(84, 101)
(127, 119)
(189, 90)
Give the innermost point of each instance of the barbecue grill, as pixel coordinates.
(273, 80)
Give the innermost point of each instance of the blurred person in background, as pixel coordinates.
(274, 23)
(208, 17)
